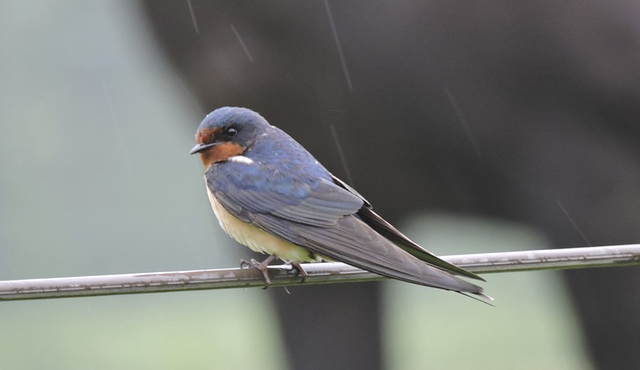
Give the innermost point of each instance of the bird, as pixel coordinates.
(271, 195)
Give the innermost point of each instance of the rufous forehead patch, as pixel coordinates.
(206, 135)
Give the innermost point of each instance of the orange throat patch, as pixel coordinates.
(219, 153)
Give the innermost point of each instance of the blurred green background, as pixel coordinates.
(96, 179)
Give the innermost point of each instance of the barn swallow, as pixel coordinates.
(271, 195)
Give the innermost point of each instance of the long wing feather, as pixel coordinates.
(387, 230)
(355, 243)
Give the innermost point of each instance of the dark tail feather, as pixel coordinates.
(388, 231)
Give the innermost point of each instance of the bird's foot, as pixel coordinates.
(260, 266)
(303, 274)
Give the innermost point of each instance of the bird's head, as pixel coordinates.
(227, 132)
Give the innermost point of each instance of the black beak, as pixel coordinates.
(200, 147)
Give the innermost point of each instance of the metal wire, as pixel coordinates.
(318, 273)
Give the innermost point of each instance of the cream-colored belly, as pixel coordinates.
(257, 239)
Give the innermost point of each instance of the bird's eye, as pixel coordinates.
(231, 131)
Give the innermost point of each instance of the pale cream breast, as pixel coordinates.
(257, 239)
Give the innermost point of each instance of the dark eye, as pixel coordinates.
(231, 131)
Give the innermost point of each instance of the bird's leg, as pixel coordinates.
(303, 274)
(260, 266)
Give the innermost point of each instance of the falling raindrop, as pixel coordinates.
(337, 41)
(575, 226)
(193, 18)
(463, 122)
(343, 157)
(244, 47)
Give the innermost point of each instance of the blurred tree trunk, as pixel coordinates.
(525, 111)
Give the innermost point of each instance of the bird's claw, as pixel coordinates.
(261, 267)
(303, 274)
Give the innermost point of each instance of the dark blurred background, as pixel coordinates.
(474, 127)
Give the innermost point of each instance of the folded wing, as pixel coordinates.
(330, 219)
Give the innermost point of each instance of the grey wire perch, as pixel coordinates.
(318, 273)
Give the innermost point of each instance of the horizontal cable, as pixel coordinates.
(318, 273)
